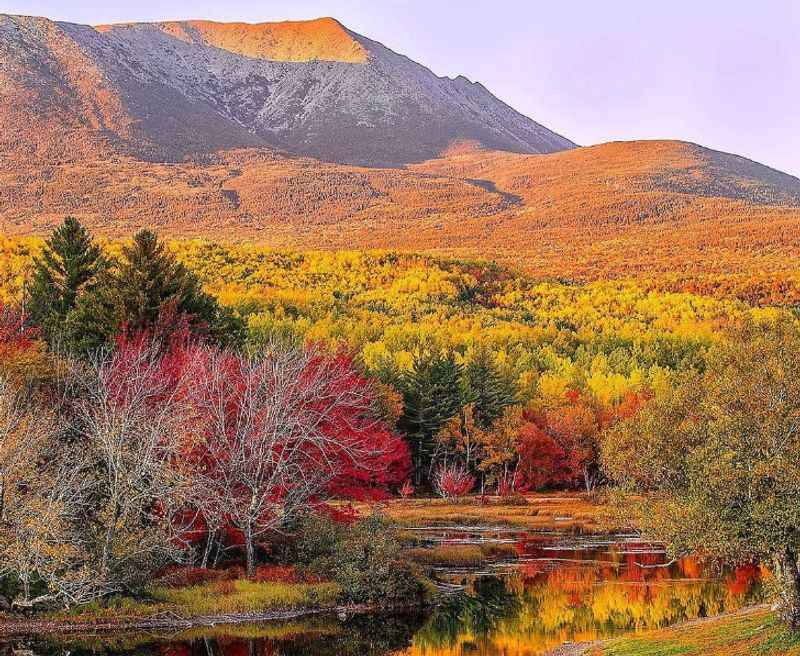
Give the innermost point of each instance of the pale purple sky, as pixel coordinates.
(723, 73)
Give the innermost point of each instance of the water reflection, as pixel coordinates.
(558, 590)
(567, 591)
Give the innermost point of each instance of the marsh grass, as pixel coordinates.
(462, 555)
(244, 597)
(573, 513)
(216, 598)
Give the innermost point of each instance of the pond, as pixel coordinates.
(558, 589)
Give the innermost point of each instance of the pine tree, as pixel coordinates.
(488, 388)
(432, 395)
(66, 269)
(147, 289)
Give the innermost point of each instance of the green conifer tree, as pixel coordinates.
(432, 395)
(144, 288)
(488, 388)
(65, 270)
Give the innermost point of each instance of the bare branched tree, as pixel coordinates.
(268, 433)
(128, 419)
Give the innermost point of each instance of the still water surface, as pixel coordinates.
(560, 589)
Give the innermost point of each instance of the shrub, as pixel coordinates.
(453, 481)
(182, 577)
(407, 490)
(507, 485)
(283, 574)
(363, 558)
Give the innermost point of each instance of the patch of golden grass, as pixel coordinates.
(462, 555)
(564, 512)
(218, 598)
(246, 597)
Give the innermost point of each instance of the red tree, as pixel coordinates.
(453, 481)
(542, 461)
(273, 433)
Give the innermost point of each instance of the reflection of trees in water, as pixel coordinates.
(478, 614)
(360, 636)
(537, 610)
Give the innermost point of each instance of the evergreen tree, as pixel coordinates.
(148, 289)
(432, 395)
(488, 388)
(66, 269)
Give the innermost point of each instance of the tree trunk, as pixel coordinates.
(207, 551)
(790, 589)
(250, 552)
(588, 479)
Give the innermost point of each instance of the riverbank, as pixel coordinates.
(197, 605)
(748, 631)
(222, 603)
(242, 601)
(568, 513)
(173, 621)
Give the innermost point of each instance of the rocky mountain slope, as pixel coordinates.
(167, 91)
(310, 136)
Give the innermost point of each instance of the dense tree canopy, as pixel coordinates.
(720, 455)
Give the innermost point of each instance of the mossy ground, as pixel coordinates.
(749, 633)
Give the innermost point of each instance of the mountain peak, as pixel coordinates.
(171, 90)
(321, 39)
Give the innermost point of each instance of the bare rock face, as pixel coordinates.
(168, 91)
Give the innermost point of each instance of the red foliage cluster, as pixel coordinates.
(176, 576)
(283, 574)
(407, 489)
(14, 334)
(560, 445)
(453, 481)
(246, 417)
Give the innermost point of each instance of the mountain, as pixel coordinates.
(617, 209)
(167, 91)
(307, 135)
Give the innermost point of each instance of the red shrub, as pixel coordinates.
(407, 490)
(277, 574)
(507, 485)
(453, 481)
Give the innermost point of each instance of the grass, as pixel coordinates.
(564, 512)
(242, 596)
(755, 632)
(208, 599)
(128, 641)
(461, 555)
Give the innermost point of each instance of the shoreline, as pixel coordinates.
(590, 648)
(171, 620)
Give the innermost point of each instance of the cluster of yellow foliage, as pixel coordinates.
(604, 337)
